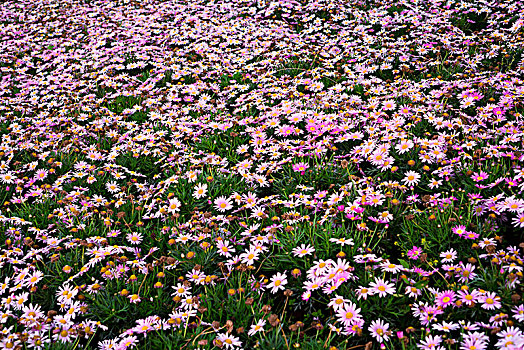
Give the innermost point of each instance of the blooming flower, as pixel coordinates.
(134, 237)
(229, 341)
(445, 326)
(448, 256)
(200, 191)
(338, 302)
(518, 312)
(278, 281)
(470, 235)
(303, 250)
(300, 167)
(480, 176)
(224, 248)
(413, 292)
(342, 241)
(414, 253)
(411, 178)
(468, 297)
(389, 105)
(134, 298)
(349, 314)
(459, 230)
(389, 267)
(431, 342)
(404, 146)
(465, 272)
(249, 257)
(257, 327)
(490, 301)
(381, 287)
(379, 330)
(112, 187)
(174, 205)
(445, 299)
(222, 204)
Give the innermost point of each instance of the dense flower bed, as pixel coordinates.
(261, 174)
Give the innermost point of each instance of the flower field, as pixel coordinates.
(239, 174)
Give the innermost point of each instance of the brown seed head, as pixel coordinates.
(266, 309)
(273, 320)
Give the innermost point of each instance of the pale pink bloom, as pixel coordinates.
(222, 204)
(381, 287)
(411, 178)
(278, 282)
(257, 327)
(379, 330)
(303, 250)
(200, 191)
(174, 205)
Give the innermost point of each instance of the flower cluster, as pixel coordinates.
(244, 174)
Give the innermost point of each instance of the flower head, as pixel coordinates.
(278, 281)
(379, 330)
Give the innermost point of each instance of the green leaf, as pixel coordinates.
(404, 263)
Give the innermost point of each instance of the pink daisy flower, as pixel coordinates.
(381, 287)
(379, 330)
(349, 314)
(389, 105)
(222, 204)
(229, 341)
(134, 298)
(300, 167)
(459, 230)
(257, 327)
(518, 313)
(278, 282)
(448, 256)
(414, 253)
(338, 302)
(490, 301)
(468, 297)
(303, 250)
(412, 178)
(431, 343)
(134, 237)
(466, 272)
(445, 298)
(224, 248)
(363, 293)
(470, 235)
(174, 205)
